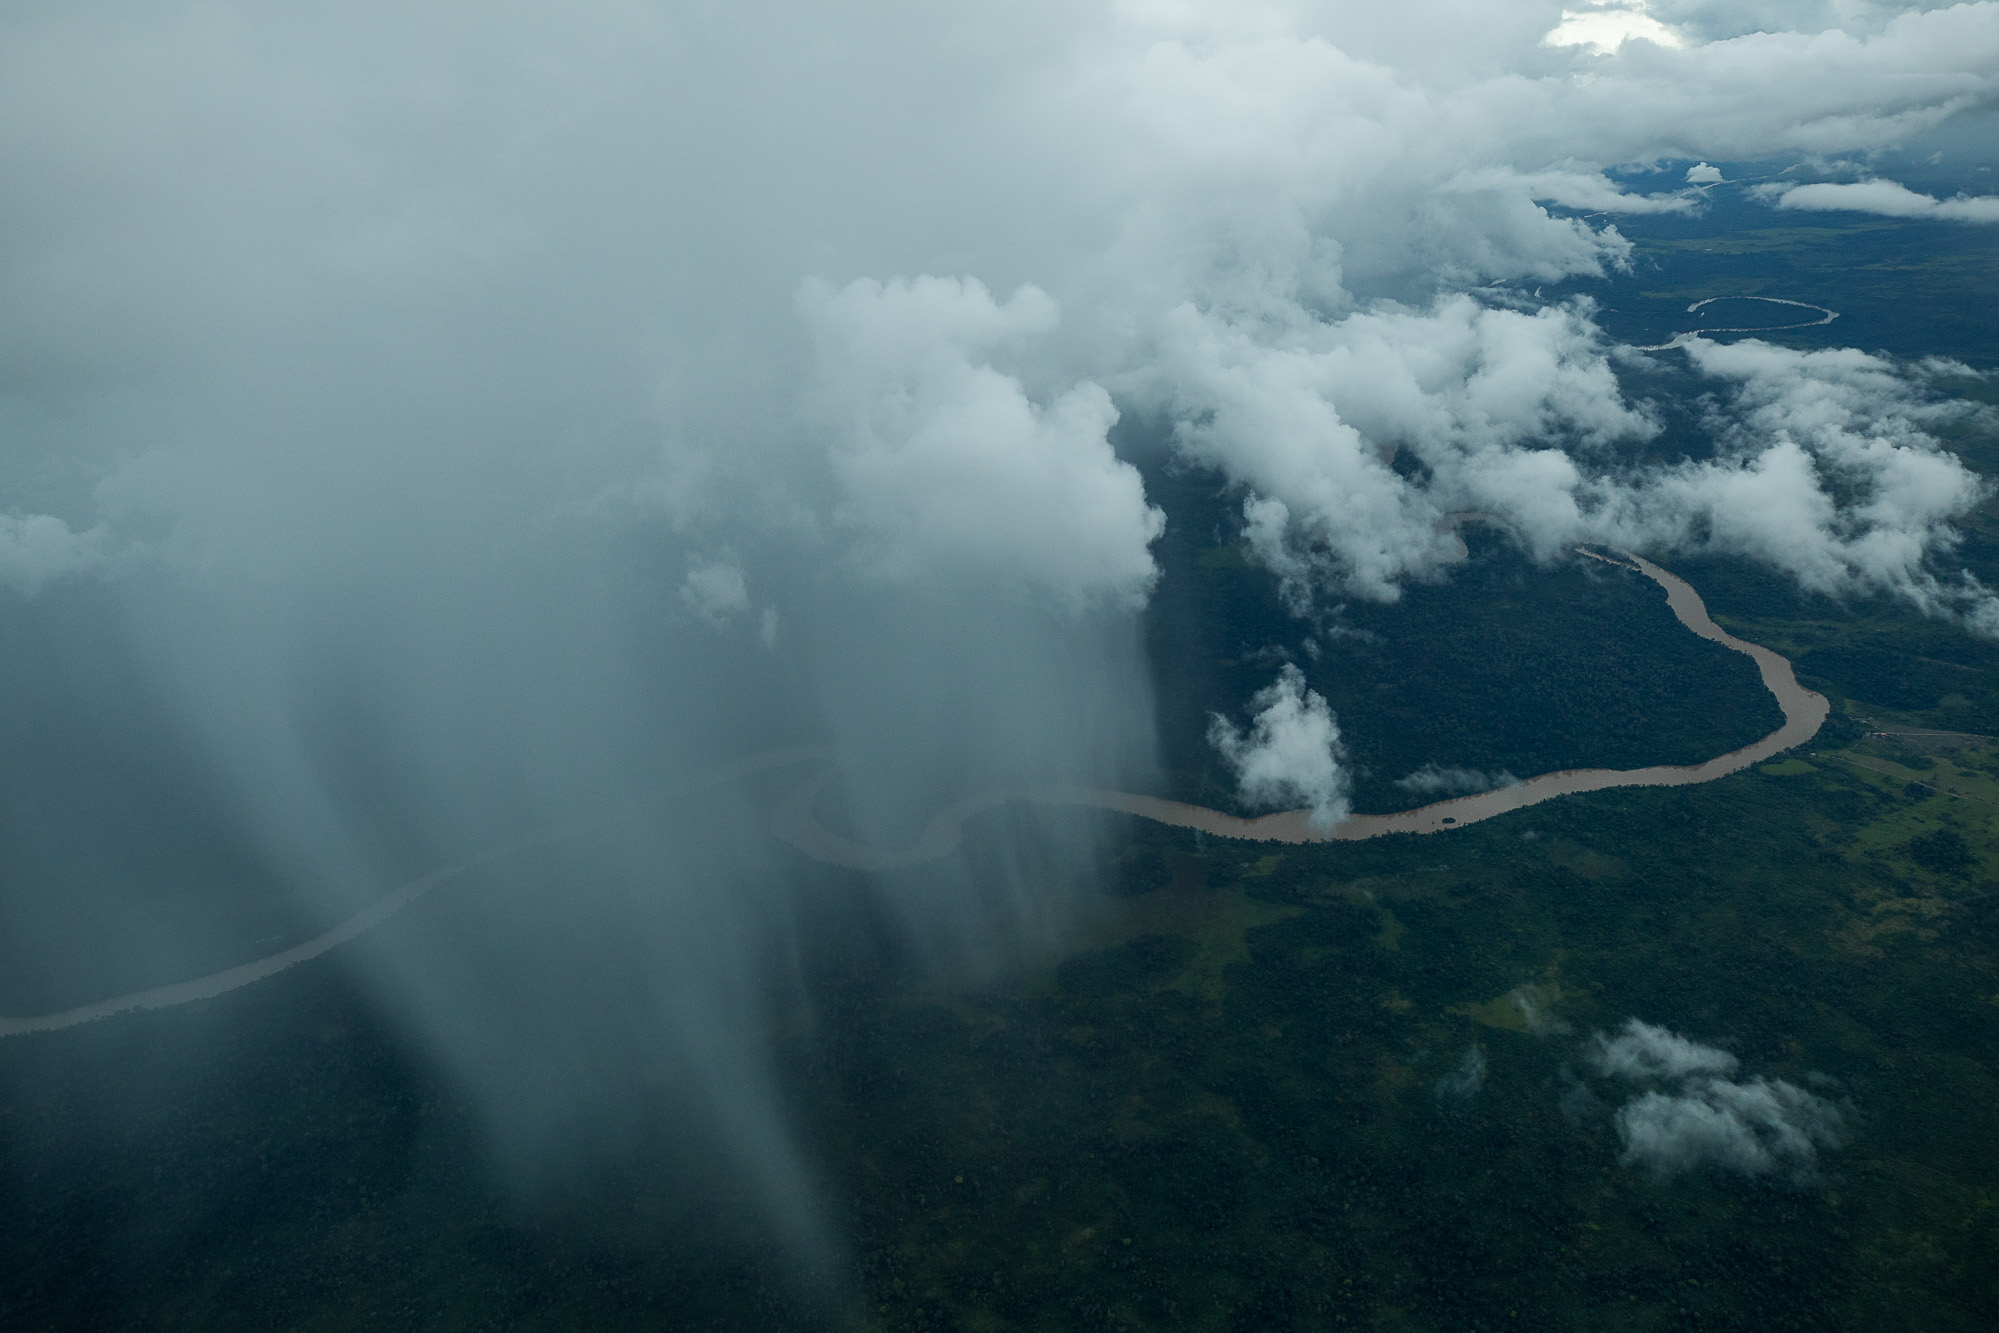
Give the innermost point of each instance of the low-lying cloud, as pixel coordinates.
(1695, 1114)
(948, 471)
(1535, 1015)
(1643, 1053)
(1291, 755)
(1436, 780)
(1888, 199)
(1466, 1079)
(1754, 1128)
(1829, 465)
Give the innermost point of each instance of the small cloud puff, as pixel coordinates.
(1644, 1053)
(1702, 1117)
(1532, 1002)
(1434, 780)
(1464, 1082)
(1757, 1128)
(718, 591)
(1292, 753)
(1700, 173)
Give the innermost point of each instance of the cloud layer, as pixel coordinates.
(1197, 212)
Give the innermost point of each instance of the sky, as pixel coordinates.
(424, 422)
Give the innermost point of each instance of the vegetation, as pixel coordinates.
(1507, 667)
(1238, 1096)
(1219, 1108)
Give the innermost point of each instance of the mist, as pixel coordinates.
(430, 426)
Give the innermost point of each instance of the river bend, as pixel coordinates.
(796, 820)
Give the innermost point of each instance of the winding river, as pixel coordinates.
(796, 820)
(1826, 316)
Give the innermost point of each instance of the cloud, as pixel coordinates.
(1700, 173)
(1291, 755)
(1212, 197)
(1534, 1015)
(1642, 1052)
(1829, 466)
(1829, 471)
(1250, 357)
(945, 464)
(1481, 397)
(39, 549)
(1434, 780)
(717, 591)
(1887, 198)
(1703, 1117)
(1585, 191)
(1466, 1080)
(1606, 28)
(1759, 1127)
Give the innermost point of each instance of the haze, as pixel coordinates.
(425, 424)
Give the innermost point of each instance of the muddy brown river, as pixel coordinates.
(797, 822)
(796, 819)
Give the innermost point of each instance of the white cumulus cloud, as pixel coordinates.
(1643, 1051)
(948, 468)
(1483, 397)
(1888, 198)
(1696, 1114)
(1754, 1128)
(1829, 470)
(1607, 27)
(1291, 755)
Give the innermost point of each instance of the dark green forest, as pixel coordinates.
(1236, 1095)
(1506, 667)
(1228, 1103)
